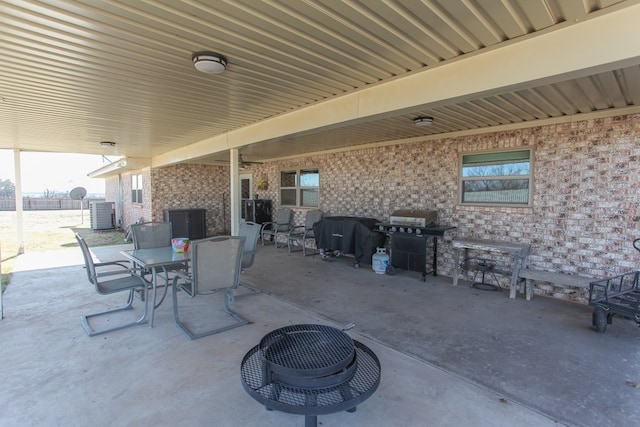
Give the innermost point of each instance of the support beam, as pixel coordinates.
(19, 212)
(234, 179)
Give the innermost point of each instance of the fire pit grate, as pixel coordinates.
(307, 350)
(346, 378)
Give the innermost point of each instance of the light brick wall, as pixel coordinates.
(193, 186)
(128, 213)
(586, 193)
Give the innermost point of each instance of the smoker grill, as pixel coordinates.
(310, 370)
(409, 231)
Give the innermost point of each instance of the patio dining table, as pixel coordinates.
(155, 259)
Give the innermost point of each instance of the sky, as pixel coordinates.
(53, 171)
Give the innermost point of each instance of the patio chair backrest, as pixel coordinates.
(88, 261)
(251, 232)
(312, 218)
(283, 219)
(151, 235)
(216, 263)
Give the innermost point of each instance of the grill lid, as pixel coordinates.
(307, 350)
(414, 218)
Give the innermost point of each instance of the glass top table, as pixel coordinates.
(154, 260)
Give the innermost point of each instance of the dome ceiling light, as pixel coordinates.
(209, 62)
(423, 121)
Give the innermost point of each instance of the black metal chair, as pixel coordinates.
(216, 263)
(121, 279)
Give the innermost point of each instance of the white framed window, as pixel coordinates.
(497, 178)
(300, 188)
(136, 189)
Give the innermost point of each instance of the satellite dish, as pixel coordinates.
(78, 193)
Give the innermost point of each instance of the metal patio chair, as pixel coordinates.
(281, 226)
(148, 235)
(120, 279)
(300, 234)
(216, 263)
(251, 232)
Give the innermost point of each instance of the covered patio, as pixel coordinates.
(450, 355)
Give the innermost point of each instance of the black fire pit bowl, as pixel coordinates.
(288, 387)
(307, 351)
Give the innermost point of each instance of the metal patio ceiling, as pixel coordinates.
(75, 73)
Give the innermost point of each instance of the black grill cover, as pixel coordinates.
(350, 235)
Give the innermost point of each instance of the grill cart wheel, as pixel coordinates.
(599, 319)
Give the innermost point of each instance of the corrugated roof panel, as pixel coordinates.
(75, 72)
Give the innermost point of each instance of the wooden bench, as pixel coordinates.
(564, 279)
(519, 252)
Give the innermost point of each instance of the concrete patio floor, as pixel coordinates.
(449, 356)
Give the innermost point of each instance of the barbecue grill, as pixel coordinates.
(310, 370)
(347, 235)
(409, 231)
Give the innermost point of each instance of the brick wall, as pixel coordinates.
(126, 212)
(586, 192)
(193, 186)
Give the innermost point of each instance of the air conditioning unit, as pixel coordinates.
(102, 215)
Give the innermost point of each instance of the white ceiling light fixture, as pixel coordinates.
(209, 62)
(423, 121)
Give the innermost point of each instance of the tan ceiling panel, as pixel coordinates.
(631, 78)
(539, 14)
(302, 76)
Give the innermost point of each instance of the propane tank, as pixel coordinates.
(380, 261)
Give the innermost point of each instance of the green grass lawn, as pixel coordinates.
(47, 231)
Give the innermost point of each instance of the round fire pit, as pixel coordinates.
(310, 370)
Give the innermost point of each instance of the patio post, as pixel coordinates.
(234, 183)
(19, 222)
(1, 305)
